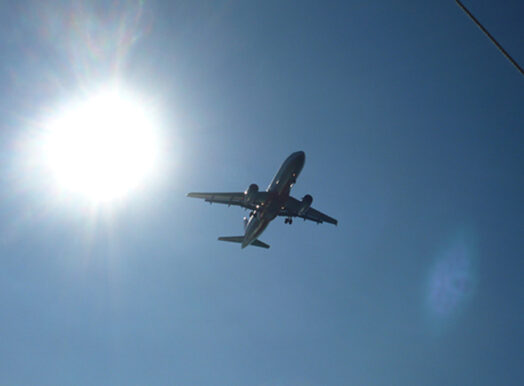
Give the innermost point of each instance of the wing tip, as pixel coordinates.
(194, 195)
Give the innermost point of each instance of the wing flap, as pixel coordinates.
(314, 215)
(292, 208)
(233, 198)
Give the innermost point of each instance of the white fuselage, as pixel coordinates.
(278, 190)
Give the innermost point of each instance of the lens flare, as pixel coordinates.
(452, 280)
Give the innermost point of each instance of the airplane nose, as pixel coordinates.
(300, 155)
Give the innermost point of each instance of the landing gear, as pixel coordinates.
(288, 220)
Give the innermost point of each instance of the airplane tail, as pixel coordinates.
(239, 239)
(232, 239)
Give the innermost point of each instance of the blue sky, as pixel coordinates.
(412, 124)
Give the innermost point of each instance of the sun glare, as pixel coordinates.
(102, 147)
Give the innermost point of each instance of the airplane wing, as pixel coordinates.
(234, 198)
(292, 209)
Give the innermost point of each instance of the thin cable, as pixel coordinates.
(506, 54)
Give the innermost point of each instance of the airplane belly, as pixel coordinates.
(261, 228)
(254, 229)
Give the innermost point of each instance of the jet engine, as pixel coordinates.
(250, 193)
(305, 204)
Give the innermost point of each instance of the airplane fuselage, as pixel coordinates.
(278, 190)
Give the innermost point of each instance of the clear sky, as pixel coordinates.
(413, 128)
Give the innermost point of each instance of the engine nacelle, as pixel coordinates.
(306, 202)
(250, 193)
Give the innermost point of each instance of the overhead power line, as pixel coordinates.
(504, 52)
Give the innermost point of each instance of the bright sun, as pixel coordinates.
(102, 147)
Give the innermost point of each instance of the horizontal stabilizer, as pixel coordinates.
(258, 243)
(239, 239)
(233, 239)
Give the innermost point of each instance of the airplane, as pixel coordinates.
(266, 205)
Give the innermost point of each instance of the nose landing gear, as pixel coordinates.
(288, 220)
